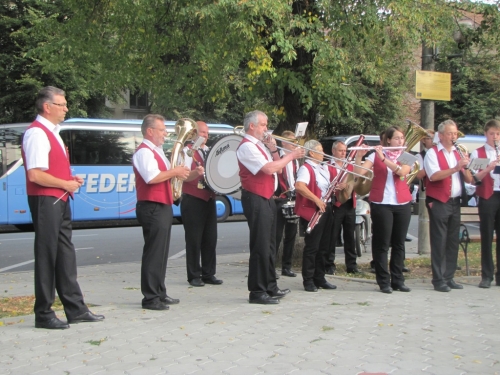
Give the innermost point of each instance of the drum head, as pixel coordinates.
(221, 166)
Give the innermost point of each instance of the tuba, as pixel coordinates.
(185, 129)
(414, 133)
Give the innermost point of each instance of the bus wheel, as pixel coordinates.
(223, 208)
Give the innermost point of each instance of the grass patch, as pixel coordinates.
(16, 306)
(420, 267)
(364, 303)
(96, 342)
(327, 328)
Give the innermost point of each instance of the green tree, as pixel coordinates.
(23, 73)
(341, 65)
(475, 69)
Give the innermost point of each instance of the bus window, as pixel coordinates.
(91, 147)
(13, 140)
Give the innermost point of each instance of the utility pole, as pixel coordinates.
(427, 122)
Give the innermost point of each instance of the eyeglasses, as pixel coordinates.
(61, 105)
(163, 130)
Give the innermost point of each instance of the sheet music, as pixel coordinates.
(407, 159)
(300, 129)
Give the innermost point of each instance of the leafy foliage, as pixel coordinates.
(23, 73)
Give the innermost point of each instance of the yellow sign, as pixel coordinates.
(432, 85)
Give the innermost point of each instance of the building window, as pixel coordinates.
(138, 100)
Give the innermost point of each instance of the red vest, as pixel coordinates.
(337, 193)
(161, 192)
(58, 167)
(379, 181)
(261, 184)
(191, 187)
(305, 208)
(485, 190)
(441, 190)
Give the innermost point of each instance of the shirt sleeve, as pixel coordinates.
(36, 148)
(251, 157)
(145, 163)
(303, 175)
(431, 164)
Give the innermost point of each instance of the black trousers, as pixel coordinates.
(444, 229)
(156, 221)
(199, 218)
(489, 221)
(316, 245)
(260, 213)
(55, 259)
(390, 225)
(290, 229)
(344, 217)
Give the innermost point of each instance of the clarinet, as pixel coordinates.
(333, 185)
(477, 182)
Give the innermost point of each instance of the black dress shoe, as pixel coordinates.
(53, 323)
(310, 288)
(326, 285)
(354, 270)
(280, 293)
(212, 280)
(87, 317)
(264, 299)
(197, 282)
(485, 283)
(288, 272)
(158, 306)
(406, 269)
(169, 300)
(453, 285)
(442, 288)
(401, 288)
(386, 290)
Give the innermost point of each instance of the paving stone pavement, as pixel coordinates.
(214, 330)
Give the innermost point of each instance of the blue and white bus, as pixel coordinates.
(101, 153)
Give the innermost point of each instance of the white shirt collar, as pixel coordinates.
(152, 146)
(441, 147)
(49, 125)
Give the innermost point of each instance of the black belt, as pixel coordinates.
(456, 199)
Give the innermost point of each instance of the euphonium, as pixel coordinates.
(186, 129)
(414, 133)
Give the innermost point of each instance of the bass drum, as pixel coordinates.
(221, 166)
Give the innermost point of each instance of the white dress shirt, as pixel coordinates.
(390, 196)
(431, 165)
(321, 173)
(36, 145)
(145, 163)
(251, 157)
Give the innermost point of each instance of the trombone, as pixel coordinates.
(326, 158)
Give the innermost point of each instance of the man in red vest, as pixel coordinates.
(489, 203)
(447, 172)
(344, 217)
(199, 217)
(49, 183)
(154, 210)
(259, 164)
